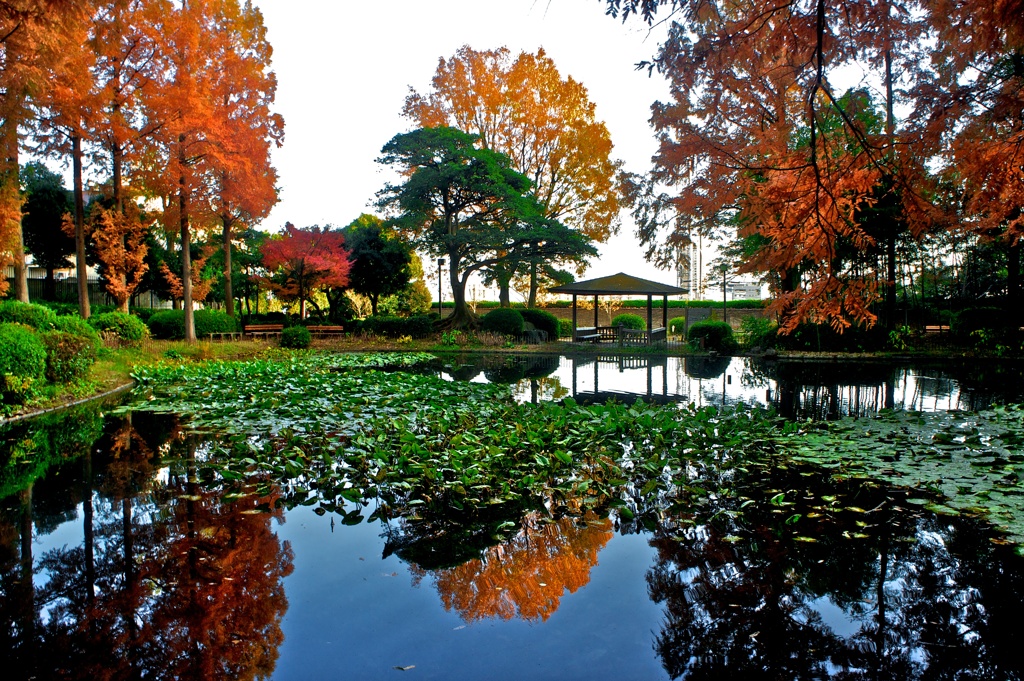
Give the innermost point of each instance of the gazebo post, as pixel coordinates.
(574, 328)
(664, 313)
(595, 313)
(650, 319)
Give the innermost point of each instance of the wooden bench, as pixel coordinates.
(230, 335)
(264, 330)
(586, 334)
(325, 330)
(936, 328)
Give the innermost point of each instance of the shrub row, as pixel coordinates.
(417, 326)
(170, 324)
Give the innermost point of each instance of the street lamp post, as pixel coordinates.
(440, 268)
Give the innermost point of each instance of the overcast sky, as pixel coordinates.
(344, 69)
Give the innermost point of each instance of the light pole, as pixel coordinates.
(440, 267)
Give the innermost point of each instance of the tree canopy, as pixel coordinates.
(380, 260)
(756, 133)
(467, 203)
(546, 125)
(303, 260)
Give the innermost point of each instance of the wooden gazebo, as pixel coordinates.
(619, 285)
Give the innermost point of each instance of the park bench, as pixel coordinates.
(230, 335)
(587, 334)
(325, 330)
(936, 328)
(264, 330)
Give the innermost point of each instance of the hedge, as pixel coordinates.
(16, 312)
(170, 324)
(77, 326)
(22, 361)
(542, 321)
(68, 356)
(128, 328)
(716, 336)
(504, 321)
(296, 337)
(630, 321)
(417, 326)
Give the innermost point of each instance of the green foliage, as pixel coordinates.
(715, 304)
(630, 321)
(77, 326)
(170, 324)
(419, 326)
(677, 326)
(824, 338)
(46, 202)
(16, 312)
(715, 335)
(759, 332)
(380, 260)
(68, 356)
(993, 319)
(295, 337)
(542, 321)
(899, 339)
(565, 328)
(504, 321)
(22, 361)
(127, 328)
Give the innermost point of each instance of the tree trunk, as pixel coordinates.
(373, 303)
(81, 267)
(504, 299)
(461, 316)
(1013, 279)
(531, 302)
(9, 178)
(229, 302)
(186, 256)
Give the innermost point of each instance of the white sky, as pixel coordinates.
(344, 69)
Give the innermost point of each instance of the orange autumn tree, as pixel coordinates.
(546, 124)
(119, 239)
(527, 576)
(302, 261)
(29, 40)
(746, 140)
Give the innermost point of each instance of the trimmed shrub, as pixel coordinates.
(68, 356)
(144, 313)
(542, 321)
(22, 361)
(77, 326)
(419, 326)
(760, 332)
(504, 321)
(716, 336)
(677, 326)
(127, 328)
(295, 337)
(565, 328)
(170, 324)
(29, 314)
(630, 321)
(167, 324)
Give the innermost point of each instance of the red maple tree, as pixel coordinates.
(304, 260)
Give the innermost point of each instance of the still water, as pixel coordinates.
(817, 389)
(118, 562)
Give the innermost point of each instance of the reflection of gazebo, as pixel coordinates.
(619, 285)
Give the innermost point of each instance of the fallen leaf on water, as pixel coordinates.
(405, 669)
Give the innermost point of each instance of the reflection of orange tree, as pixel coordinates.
(526, 576)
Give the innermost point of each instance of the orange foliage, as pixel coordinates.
(200, 286)
(544, 123)
(526, 576)
(120, 242)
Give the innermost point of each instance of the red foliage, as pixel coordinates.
(304, 260)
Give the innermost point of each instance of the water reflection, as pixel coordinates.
(117, 561)
(526, 576)
(121, 565)
(796, 389)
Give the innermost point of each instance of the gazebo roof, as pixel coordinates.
(618, 285)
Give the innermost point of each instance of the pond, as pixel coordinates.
(794, 388)
(127, 552)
